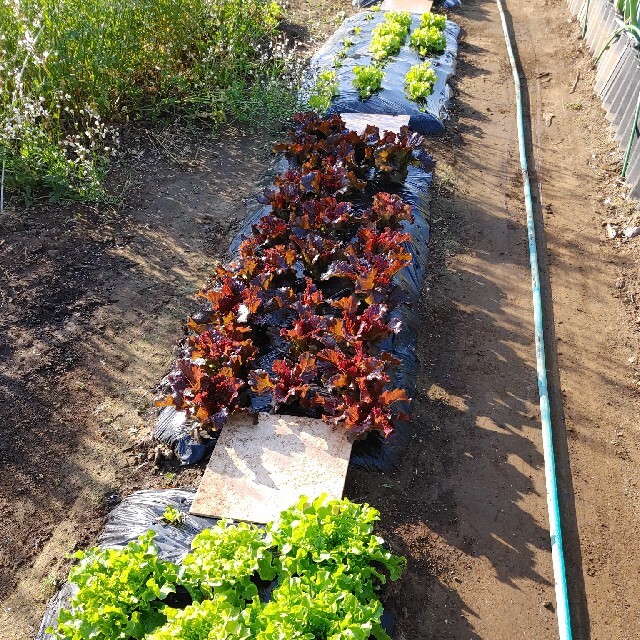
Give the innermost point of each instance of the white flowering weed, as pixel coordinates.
(71, 71)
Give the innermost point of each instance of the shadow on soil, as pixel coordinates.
(91, 304)
(571, 540)
(475, 415)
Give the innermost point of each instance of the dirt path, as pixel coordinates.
(93, 309)
(594, 281)
(470, 509)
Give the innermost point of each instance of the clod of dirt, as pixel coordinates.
(161, 455)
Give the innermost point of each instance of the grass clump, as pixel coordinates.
(324, 90)
(367, 80)
(72, 71)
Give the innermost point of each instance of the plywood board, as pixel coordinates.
(257, 470)
(359, 121)
(415, 6)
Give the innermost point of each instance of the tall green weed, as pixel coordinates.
(71, 71)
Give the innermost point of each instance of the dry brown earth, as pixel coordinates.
(91, 303)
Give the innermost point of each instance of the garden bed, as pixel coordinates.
(358, 251)
(350, 49)
(161, 573)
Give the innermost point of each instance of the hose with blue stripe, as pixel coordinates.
(553, 504)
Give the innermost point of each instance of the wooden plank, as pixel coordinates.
(359, 121)
(414, 6)
(257, 470)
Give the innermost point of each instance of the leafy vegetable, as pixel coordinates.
(436, 20)
(403, 18)
(369, 327)
(291, 381)
(215, 619)
(371, 263)
(388, 37)
(217, 351)
(224, 559)
(120, 593)
(324, 560)
(172, 516)
(335, 536)
(354, 391)
(316, 607)
(388, 211)
(367, 80)
(394, 153)
(419, 81)
(427, 40)
(209, 398)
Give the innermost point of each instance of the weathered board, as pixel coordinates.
(257, 470)
(358, 121)
(415, 6)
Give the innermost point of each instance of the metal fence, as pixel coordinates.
(612, 35)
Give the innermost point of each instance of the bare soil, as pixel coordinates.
(468, 507)
(93, 300)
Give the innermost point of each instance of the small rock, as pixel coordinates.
(612, 232)
(620, 282)
(631, 232)
(547, 604)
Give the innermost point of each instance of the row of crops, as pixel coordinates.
(320, 563)
(387, 38)
(388, 63)
(304, 320)
(312, 283)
